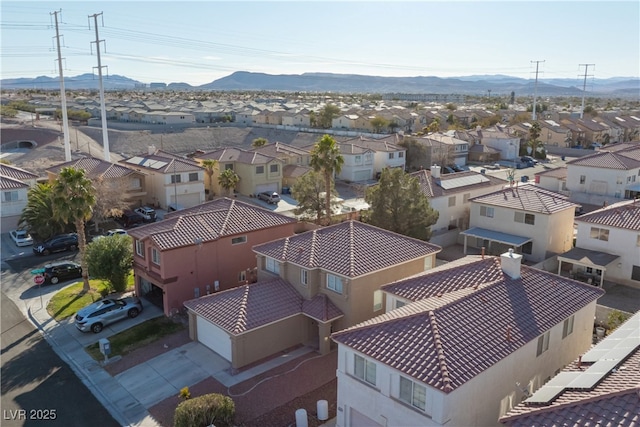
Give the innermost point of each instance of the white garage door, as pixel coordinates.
(267, 187)
(358, 419)
(362, 175)
(214, 337)
(187, 200)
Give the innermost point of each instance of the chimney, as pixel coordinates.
(151, 149)
(510, 263)
(435, 171)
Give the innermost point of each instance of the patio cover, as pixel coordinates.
(497, 236)
(587, 257)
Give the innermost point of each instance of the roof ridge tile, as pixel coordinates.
(442, 359)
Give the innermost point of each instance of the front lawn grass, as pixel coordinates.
(137, 336)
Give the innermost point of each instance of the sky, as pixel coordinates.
(197, 42)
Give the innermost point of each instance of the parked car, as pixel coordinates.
(60, 271)
(456, 168)
(21, 237)
(96, 316)
(447, 169)
(130, 219)
(112, 232)
(270, 197)
(59, 243)
(529, 159)
(149, 214)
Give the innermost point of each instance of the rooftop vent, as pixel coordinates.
(510, 263)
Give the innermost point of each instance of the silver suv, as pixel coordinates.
(270, 197)
(149, 214)
(96, 316)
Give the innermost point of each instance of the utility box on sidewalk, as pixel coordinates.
(105, 347)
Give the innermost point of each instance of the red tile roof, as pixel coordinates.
(623, 159)
(7, 183)
(232, 154)
(624, 215)
(13, 172)
(94, 168)
(350, 249)
(445, 341)
(207, 222)
(248, 307)
(560, 173)
(527, 197)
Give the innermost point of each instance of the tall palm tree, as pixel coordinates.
(73, 201)
(326, 158)
(210, 166)
(228, 180)
(37, 216)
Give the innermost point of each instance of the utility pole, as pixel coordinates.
(63, 97)
(103, 110)
(535, 90)
(584, 85)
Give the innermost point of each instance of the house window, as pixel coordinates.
(567, 327)
(304, 276)
(599, 233)
(155, 256)
(543, 343)
(259, 170)
(228, 166)
(401, 155)
(486, 211)
(239, 240)
(465, 197)
(334, 283)
(583, 178)
(193, 176)
(364, 369)
(175, 179)
(635, 273)
(273, 168)
(391, 155)
(272, 265)
(10, 196)
(358, 160)
(242, 276)
(525, 218)
(377, 300)
(140, 248)
(135, 183)
(412, 393)
(400, 304)
(452, 201)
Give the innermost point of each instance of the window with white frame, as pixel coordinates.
(486, 211)
(334, 283)
(364, 369)
(272, 265)
(377, 300)
(543, 343)
(401, 154)
(452, 201)
(238, 240)
(567, 327)
(525, 218)
(413, 393)
(135, 183)
(242, 276)
(9, 196)
(175, 179)
(391, 156)
(358, 160)
(155, 256)
(193, 176)
(273, 168)
(259, 170)
(599, 233)
(228, 166)
(304, 276)
(140, 248)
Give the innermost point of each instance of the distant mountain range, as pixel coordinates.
(628, 87)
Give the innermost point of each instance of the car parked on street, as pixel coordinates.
(21, 237)
(59, 243)
(149, 214)
(270, 197)
(96, 316)
(57, 272)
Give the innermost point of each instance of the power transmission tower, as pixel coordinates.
(584, 85)
(535, 90)
(63, 97)
(103, 110)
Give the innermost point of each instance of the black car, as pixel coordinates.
(130, 219)
(62, 242)
(61, 271)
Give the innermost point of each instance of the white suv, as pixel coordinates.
(270, 197)
(149, 214)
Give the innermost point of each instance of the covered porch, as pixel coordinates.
(495, 241)
(588, 265)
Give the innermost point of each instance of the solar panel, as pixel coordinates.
(594, 374)
(463, 181)
(553, 388)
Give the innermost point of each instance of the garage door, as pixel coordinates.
(214, 338)
(187, 200)
(358, 419)
(362, 175)
(267, 187)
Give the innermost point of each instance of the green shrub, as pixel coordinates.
(616, 318)
(204, 410)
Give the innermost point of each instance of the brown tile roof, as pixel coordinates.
(248, 307)
(94, 168)
(350, 249)
(278, 149)
(445, 341)
(432, 187)
(207, 222)
(614, 401)
(527, 197)
(14, 172)
(623, 159)
(294, 171)
(625, 215)
(560, 173)
(7, 183)
(238, 155)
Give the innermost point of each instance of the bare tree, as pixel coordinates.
(110, 199)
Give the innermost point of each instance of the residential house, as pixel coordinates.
(257, 172)
(497, 138)
(171, 181)
(450, 194)
(553, 133)
(466, 342)
(599, 388)
(614, 132)
(554, 179)
(301, 119)
(446, 150)
(594, 132)
(201, 250)
(309, 284)
(346, 121)
(607, 245)
(358, 163)
(535, 222)
(387, 153)
(129, 182)
(15, 184)
(608, 175)
(288, 154)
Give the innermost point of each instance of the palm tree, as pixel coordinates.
(210, 166)
(37, 216)
(73, 201)
(228, 180)
(326, 158)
